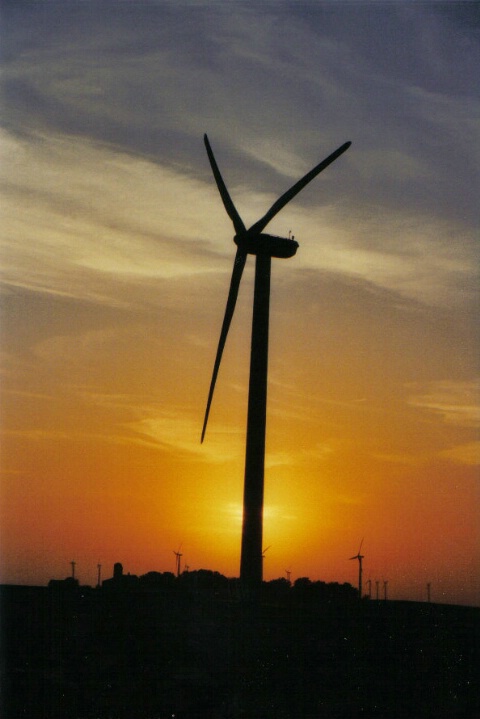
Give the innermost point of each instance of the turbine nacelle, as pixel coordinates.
(263, 244)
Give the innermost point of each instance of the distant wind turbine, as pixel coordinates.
(369, 582)
(360, 570)
(178, 556)
(255, 242)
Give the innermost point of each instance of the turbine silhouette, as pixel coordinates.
(360, 569)
(255, 242)
(178, 559)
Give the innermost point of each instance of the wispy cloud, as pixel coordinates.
(93, 219)
(456, 402)
(464, 454)
(87, 210)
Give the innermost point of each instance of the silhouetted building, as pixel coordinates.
(119, 579)
(64, 585)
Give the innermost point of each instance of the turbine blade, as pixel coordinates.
(260, 225)
(238, 265)
(224, 194)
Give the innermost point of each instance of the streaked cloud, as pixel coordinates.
(456, 402)
(464, 454)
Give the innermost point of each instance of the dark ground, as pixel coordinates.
(72, 652)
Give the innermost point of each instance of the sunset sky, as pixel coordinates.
(115, 264)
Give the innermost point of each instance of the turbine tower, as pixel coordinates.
(360, 570)
(255, 242)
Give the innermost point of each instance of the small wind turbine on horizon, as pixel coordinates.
(254, 241)
(369, 582)
(360, 569)
(178, 556)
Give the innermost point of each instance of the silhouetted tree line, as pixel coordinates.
(212, 584)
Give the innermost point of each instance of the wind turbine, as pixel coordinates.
(369, 582)
(360, 570)
(254, 241)
(178, 559)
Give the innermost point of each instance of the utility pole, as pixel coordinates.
(73, 569)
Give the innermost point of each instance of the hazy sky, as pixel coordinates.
(115, 262)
